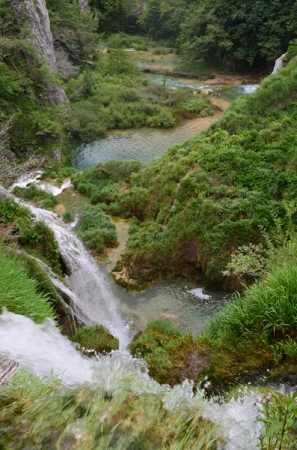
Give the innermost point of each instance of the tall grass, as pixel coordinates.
(259, 328)
(19, 293)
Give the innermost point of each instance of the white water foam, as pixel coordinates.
(34, 178)
(198, 292)
(44, 351)
(90, 285)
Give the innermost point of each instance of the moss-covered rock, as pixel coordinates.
(95, 338)
(172, 355)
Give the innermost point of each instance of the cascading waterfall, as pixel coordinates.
(93, 301)
(279, 63)
(44, 351)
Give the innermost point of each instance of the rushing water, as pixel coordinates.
(98, 299)
(45, 352)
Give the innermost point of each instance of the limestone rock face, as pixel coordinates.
(84, 5)
(41, 37)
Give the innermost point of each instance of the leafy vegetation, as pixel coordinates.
(24, 102)
(34, 407)
(167, 351)
(96, 229)
(47, 201)
(18, 228)
(232, 186)
(257, 330)
(234, 35)
(114, 96)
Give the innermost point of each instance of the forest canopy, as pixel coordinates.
(236, 34)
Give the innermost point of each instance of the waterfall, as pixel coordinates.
(279, 63)
(90, 291)
(93, 300)
(44, 351)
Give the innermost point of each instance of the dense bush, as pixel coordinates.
(19, 227)
(96, 229)
(257, 329)
(104, 99)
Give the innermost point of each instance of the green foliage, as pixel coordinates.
(49, 201)
(165, 348)
(25, 99)
(247, 261)
(96, 229)
(236, 35)
(19, 292)
(256, 329)
(116, 15)
(113, 97)
(279, 421)
(35, 237)
(198, 105)
(35, 412)
(95, 338)
(230, 187)
(73, 30)
(43, 283)
(118, 60)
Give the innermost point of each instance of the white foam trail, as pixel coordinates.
(27, 180)
(34, 178)
(54, 190)
(236, 421)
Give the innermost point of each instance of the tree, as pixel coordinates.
(239, 34)
(118, 60)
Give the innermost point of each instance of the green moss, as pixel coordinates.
(95, 338)
(167, 351)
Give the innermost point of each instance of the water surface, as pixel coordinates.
(146, 144)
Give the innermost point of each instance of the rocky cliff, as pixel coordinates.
(84, 5)
(36, 15)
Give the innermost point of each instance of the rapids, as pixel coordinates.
(45, 352)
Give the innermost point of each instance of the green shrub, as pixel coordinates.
(96, 229)
(258, 327)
